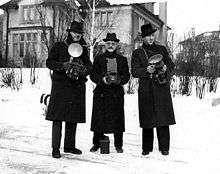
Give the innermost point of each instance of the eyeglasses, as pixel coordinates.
(76, 35)
(110, 43)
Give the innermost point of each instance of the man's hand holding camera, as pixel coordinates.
(164, 68)
(151, 69)
(111, 79)
(74, 69)
(66, 65)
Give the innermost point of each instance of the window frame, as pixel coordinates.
(99, 19)
(21, 46)
(30, 14)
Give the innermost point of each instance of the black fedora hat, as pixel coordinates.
(76, 27)
(147, 30)
(111, 37)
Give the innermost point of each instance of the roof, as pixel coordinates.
(52, 2)
(13, 4)
(99, 3)
(138, 6)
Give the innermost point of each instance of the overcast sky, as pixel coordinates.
(203, 15)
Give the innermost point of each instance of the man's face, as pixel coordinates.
(76, 36)
(149, 39)
(111, 45)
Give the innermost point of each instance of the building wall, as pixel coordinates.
(162, 33)
(121, 24)
(122, 27)
(16, 16)
(140, 19)
(16, 22)
(1, 31)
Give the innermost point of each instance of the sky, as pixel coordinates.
(183, 15)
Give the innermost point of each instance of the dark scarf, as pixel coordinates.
(110, 55)
(150, 49)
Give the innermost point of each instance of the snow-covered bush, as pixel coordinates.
(8, 78)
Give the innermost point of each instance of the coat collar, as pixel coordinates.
(110, 54)
(147, 46)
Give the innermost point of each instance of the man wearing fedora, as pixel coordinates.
(67, 101)
(154, 99)
(110, 72)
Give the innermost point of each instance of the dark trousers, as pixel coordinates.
(118, 139)
(163, 136)
(70, 134)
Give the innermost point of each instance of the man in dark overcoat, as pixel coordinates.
(110, 72)
(154, 99)
(67, 101)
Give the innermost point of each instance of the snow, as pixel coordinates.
(25, 137)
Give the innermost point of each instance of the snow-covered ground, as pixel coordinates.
(25, 138)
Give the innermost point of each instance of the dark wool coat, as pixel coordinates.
(155, 103)
(67, 101)
(108, 100)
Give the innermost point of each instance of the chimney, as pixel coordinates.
(163, 12)
(150, 6)
(163, 16)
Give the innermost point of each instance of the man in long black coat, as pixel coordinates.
(154, 99)
(110, 72)
(67, 101)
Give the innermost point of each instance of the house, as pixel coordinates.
(204, 50)
(26, 35)
(29, 27)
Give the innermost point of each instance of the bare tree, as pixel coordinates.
(80, 10)
(199, 57)
(61, 18)
(93, 32)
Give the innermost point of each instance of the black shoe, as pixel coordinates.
(73, 151)
(119, 150)
(94, 148)
(165, 152)
(145, 153)
(56, 153)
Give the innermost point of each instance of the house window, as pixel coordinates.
(24, 44)
(110, 17)
(97, 19)
(15, 45)
(30, 14)
(103, 19)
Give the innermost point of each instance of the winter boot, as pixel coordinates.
(56, 153)
(72, 150)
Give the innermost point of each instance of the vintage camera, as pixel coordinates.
(75, 50)
(111, 78)
(111, 75)
(159, 76)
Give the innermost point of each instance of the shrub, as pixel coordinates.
(9, 78)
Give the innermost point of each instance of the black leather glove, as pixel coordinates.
(112, 78)
(118, 80)
(66, 65)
